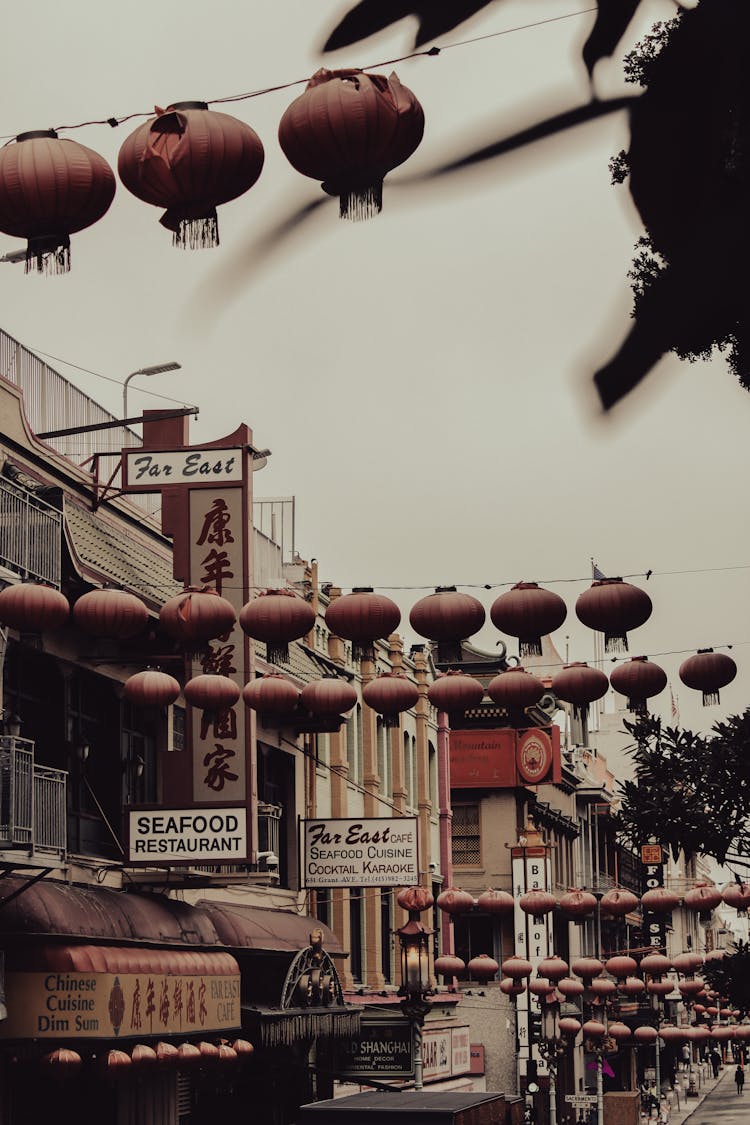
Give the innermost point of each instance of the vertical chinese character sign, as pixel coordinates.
(207, 510)
(533, 937)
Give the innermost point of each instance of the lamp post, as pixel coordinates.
(155, 369)
(414, 940)
(551, 1047)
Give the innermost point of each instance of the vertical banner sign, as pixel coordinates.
(217, 537)
(654, 925)
(533, 939)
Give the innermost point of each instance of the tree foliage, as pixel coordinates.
(730, 976)
(691, 792)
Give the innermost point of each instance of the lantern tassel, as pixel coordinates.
(49, 256)
(363, 650)
(277, 652)
(710, 698)
(530, 646)
(192, 232)
(358, 203)
(615, 642)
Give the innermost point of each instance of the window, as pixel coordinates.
(386, 935)
(351, 748)
(323, 905)
(467, 850)
(355, 926)
(432, 762)
(383, 759)
(408, 772)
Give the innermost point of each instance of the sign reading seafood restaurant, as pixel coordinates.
(377, 852)
(195, 835)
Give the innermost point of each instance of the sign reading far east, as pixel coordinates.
(213, 834)
(377, 852)
(151, 470)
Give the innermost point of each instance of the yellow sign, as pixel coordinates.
(108, 1005)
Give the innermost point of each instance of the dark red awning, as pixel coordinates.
(123, 960)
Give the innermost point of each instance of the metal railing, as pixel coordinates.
(33, 801)
(30, 535)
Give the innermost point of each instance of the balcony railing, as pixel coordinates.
(30, 535)
(33, 802)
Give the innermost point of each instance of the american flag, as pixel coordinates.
(675, 710)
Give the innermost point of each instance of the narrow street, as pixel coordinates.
(723, 1106)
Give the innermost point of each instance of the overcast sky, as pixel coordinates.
(423, 378)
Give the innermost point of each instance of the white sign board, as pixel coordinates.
(376, 852)
(193, 836)
(154, 469)
(581, 1101)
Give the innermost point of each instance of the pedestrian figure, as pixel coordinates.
(739, 1077)
(715, 1061)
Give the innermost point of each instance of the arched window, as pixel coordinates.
(408, 772)
(351, 747)
(383, 764)
(360, 745)
(432, 764)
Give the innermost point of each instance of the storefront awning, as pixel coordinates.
(121, 960)
(276, 1027)
(262, 928)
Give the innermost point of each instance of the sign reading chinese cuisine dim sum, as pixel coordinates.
(379, 852)
(187, 836)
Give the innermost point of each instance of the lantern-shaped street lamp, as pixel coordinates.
(414, 942)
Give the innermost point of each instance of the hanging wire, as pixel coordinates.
(431, 52)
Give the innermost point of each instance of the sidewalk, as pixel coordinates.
(688, 1106)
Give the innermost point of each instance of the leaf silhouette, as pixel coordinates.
(612, 19)
(370, 16)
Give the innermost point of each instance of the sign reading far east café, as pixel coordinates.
(374, 852)
(195, 835)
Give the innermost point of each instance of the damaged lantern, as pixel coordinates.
(349, 129)
(189, 160)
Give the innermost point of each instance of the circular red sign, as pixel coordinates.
(534, 756)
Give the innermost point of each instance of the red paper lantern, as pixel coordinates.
(620, 1032)
(708, 672)
(449, 966)
(691, 987)
(116, 1063)
(655, 964)
(580, 685)
(414, 898)
(587, 967)
(496, 902)
(618, 903)
(569, 1026)
(577, 904)
(638, 680)
(455, 693)
(659, 987)
(63, 1063)
(537, 902)
(621, 966)
(151, 688)
(209, 692)
(189, 160)
(613, 607)
(529, 612)
(698, 1034)
(329, 696)
(631, 986)
(197, 616)
(704, 897)
(227, 1055)
(659, 900)
(482, 967)
(737, 895)
(188, 1056)
(110, 613)
(687, 963)
(570, 988)
(243, 1049)
(271, 695)
(448, 617)
(554, 968)
(512, 987)
(722, 1034)
(593, 1029)
(362, 617)
(540, 986)
(143, 1055)
(455, 901)
(515, 689)
(32, 607)
(602, 987)
(349, 129)
(277, 617)
(645, 1034)
(672, 1034)
(209, 1052)
(49, 189)
(389, 694)
(167, 1054)
(517, 968)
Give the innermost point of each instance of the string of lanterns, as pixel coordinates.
(64, 1062)
(446, 617)
(348, 129)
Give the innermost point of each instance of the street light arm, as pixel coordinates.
(154, 369)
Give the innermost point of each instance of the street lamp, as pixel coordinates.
(156, 369)
(414, 940)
